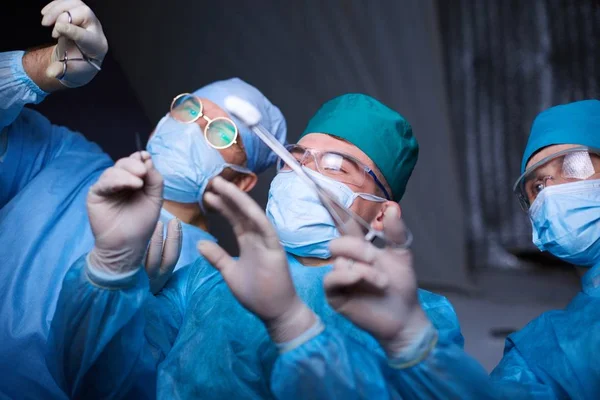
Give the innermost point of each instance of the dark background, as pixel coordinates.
(470, 75)
(299, 54)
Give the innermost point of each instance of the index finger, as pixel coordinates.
(53, 10)
(242, 204)
(394, 228)
(354, 248)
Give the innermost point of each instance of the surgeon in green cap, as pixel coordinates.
(220, 324)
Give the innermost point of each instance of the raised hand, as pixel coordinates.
(81, 42)
(123, 207)
(260, 278)
(377, 288)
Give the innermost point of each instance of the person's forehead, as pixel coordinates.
(324, 142)
(212, 110)
(548, 151)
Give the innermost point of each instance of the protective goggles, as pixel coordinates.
(219, 132)
(570, 165)
(339, 166)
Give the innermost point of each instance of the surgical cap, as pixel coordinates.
(381, 133)
(260, 157)
(573, 123)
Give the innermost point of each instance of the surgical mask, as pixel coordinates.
(187, 163)
(303, 224)
(566, 222)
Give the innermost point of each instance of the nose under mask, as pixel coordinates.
(566, 222)
(303, 224)
(187, 163)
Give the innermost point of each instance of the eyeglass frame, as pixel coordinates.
(206, 118)
(313, 153)
(524, 202)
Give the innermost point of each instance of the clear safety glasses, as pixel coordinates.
(346, 220)
(339, 166)
(219, 132)
(571, 165)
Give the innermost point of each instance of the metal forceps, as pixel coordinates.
(84, 57)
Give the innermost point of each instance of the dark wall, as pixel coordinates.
(300, 54)
(106, 111)
(505, 62)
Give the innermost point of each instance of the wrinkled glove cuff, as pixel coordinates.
(417, 351)
(312, 332)
(107, 280)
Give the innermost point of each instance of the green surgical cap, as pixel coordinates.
(380, 132)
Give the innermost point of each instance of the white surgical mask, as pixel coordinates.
(303, 224)
(566, 222)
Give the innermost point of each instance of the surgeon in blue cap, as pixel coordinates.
(182, 151)
(46, 171)
(555, 355)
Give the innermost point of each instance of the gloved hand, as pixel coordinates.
(163, 254)
(377, 288)
(260, 278)
(80, 41)
(123, 208)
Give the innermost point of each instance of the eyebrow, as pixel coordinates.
(539, 172)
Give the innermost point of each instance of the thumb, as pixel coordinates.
(172, 246)
(218, 257)
(393, 227)
(73, 32)
(55, 69)
(154, 253)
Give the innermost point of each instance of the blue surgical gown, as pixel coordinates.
(556, 355)
(203, 342)
(45, 173)
(333, 366)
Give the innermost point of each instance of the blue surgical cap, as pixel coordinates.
(573, 123)
(260, 157)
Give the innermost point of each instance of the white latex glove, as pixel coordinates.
(260, 278)
(123, 207)
(83, 41)
(377, 288)
(163, 254)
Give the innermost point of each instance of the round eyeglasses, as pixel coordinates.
(219, 132)
(339, 166)
(570, 165)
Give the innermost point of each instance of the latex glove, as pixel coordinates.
(377, 288)
(260, 278)
(83, 41)
(123, 207)
(163, 254)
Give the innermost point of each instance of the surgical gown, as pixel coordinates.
(45, 173)
(332, 366)
(556, 355)
(553, 357)
(203, 342)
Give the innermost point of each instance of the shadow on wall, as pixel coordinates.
(301, 54)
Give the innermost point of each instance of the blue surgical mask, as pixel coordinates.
(187, 163)
(566, 222)
(303, 224)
